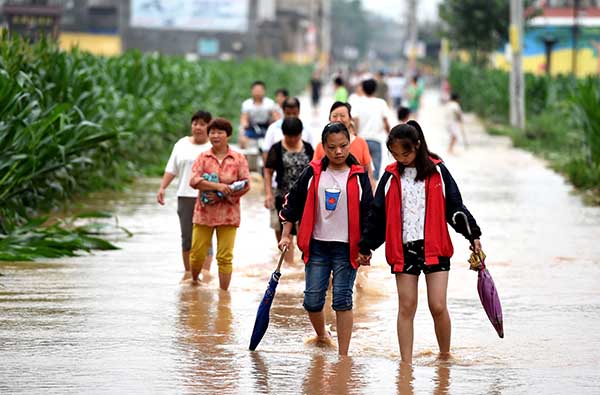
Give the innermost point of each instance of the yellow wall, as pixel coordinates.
(587, 62)
(99, 44)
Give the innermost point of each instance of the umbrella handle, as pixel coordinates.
(466, 222)
(281, 259)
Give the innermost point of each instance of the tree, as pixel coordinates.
(479, 26)
(349, 27)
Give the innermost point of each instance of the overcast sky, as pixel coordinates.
(427, 9)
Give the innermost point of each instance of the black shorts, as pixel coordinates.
(414, 260)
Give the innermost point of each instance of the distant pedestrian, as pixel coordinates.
(403, 114)
(183, 155)
(372, 116)
(414, 93)
(331, 200)
(220, 210)
(397, 85)
(415, 199)
(454, 121)
(315, 91)
(382, 90)
(258, 112)
(287, 159)
(341, 93)
(281, 95)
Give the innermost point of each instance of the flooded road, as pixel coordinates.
(121, 322)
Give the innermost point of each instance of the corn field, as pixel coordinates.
(73, 122)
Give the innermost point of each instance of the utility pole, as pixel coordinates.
(517, 80)
(575, 36)
(325, 35)
(413, 25)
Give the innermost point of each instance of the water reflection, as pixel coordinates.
(442, 379)
(338, 377)
(405, 379)
(206, 329)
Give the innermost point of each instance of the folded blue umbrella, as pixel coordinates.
(262, 315)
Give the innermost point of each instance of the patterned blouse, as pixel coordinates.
(413, 206)
(233, 167)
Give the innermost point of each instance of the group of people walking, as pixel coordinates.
(331, 196)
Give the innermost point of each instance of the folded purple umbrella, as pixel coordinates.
(485, 285)
(488, 293)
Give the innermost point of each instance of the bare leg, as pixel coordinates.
(345, 320)
(317, 319)
(186, 260)
(224, 280)
(207, 263)
(407, 286)
(452, 143)
(437, 285)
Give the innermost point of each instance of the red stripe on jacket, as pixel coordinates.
(437, 237)
(307, 223)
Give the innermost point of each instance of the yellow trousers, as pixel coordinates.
(201, 241)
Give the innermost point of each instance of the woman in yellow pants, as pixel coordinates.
(218, 205)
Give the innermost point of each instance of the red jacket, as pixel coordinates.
(442, 200)
(300, 204)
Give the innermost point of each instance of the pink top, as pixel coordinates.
(233, 167)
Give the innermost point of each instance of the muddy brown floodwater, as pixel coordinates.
(121, 322)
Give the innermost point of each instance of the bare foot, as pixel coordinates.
(186, 276)
(321, 341)
(206, 276)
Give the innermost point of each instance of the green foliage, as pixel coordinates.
(563, 117)
(585, 101)
(478, 26)
(33, 240)
(72, 122)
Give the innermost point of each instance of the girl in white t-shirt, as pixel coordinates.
(331, 199)
(184, 153)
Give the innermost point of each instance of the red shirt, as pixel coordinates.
(231, 168)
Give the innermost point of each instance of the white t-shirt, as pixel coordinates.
(180, 163)
(332, 224)
(370, 112)
(396, 86)
(453, 114)
(259, 113)
(413, 206)
(275, 134)
(354, 101)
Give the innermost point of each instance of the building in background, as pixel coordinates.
(288, 30)
(562, 37)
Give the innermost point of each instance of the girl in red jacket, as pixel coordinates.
(415, 199)
(331, 199)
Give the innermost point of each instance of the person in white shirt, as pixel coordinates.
(184, 153)
(258, 112)
(454, 124)
(274, 134)
(291, 109)
(396, 84)
(372, 116)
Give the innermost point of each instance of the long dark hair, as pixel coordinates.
(410, 135)
(331, 128)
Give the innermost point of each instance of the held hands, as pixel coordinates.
(364, 260)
